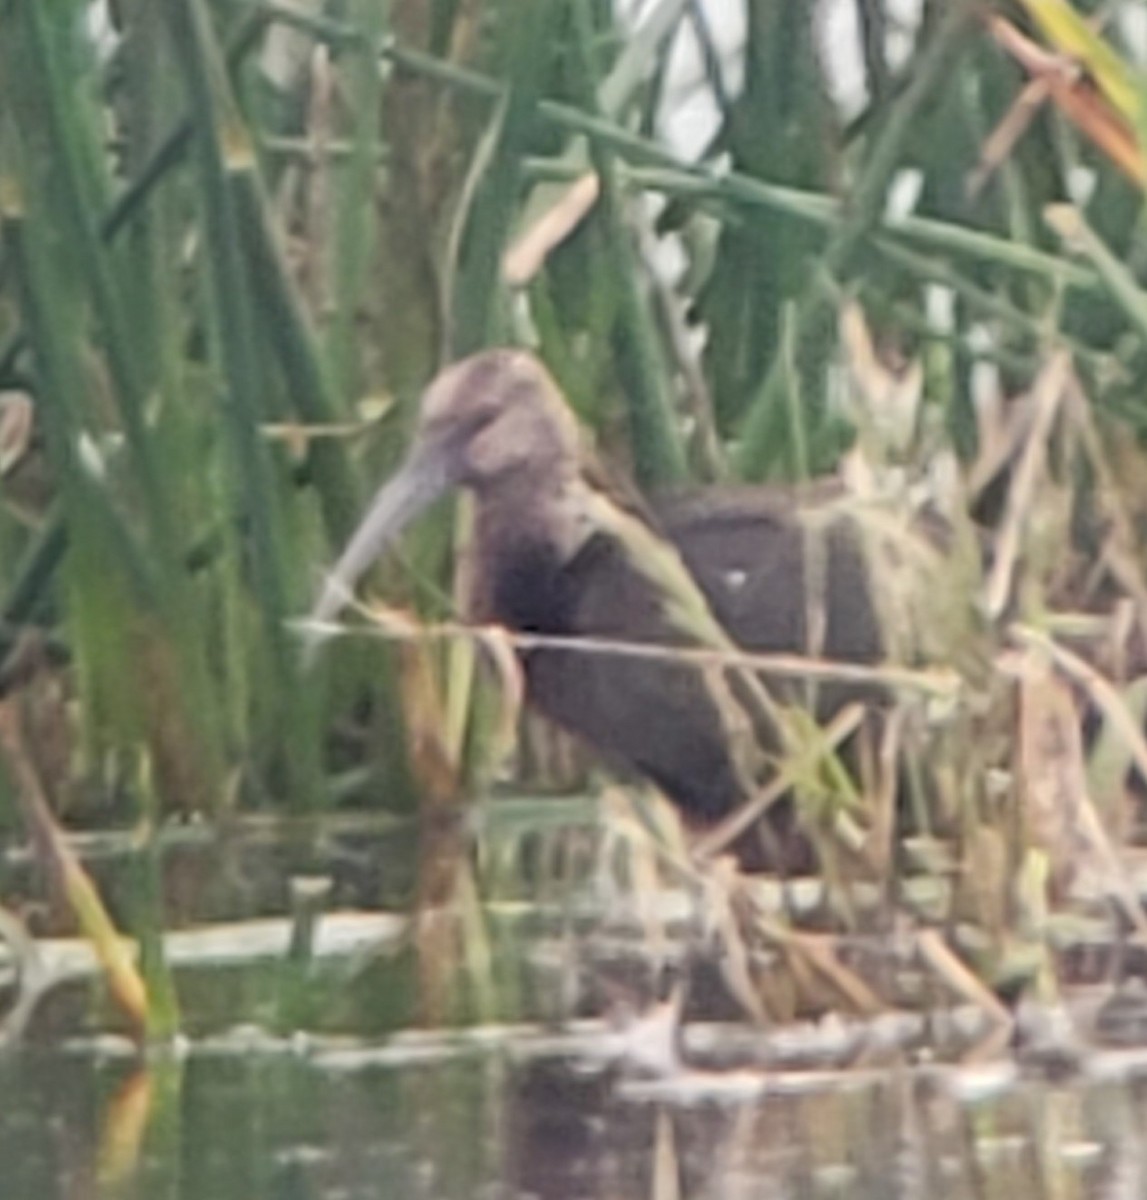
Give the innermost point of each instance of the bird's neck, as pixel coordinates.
(535, 506)
(526, 531)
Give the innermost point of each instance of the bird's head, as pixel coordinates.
(492, 415)
(484, 421)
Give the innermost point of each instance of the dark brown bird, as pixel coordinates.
(558, 556)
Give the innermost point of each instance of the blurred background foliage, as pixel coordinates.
(237, 238)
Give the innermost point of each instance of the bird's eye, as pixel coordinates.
(479, 419)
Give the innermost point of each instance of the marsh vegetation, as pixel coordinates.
(238, 240)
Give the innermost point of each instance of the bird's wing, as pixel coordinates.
(672, 720)
(776, 578)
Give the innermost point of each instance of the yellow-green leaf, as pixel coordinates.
(1072, 35)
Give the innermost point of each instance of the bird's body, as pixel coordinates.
(556, 556)
(655, 716)
(659, 716)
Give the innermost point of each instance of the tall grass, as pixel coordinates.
(234, 248)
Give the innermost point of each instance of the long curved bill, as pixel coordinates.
(423, 478)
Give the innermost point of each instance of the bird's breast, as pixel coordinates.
(523, 587)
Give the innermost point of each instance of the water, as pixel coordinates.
(240, 1119)
(373, 1062)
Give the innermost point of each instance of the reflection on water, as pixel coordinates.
(369, 1104)
(293, 1121)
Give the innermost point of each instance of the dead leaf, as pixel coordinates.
(1047, 395)
(1052, 772)
(526, 257)
(114, 953)
(1076, 97)
(17, 425)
